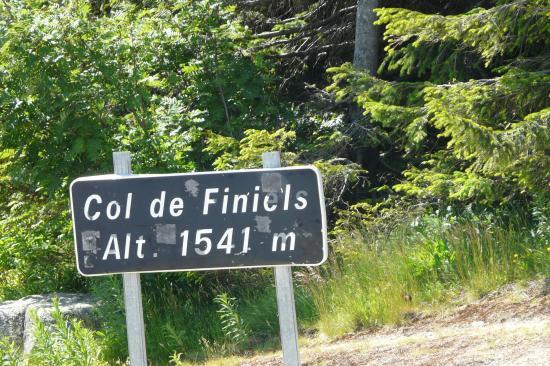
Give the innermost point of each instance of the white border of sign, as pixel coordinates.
(134, 176)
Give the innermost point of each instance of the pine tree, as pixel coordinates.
(464, 98)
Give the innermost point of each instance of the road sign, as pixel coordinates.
(199, 221)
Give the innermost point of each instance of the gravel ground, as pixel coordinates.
(510, 326)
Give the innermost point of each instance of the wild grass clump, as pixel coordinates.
(65, 342)
(381, 277)
(178, 312)
(9, 353)
(198, 315)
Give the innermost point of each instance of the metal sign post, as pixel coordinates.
(135, 326)
(285, 293)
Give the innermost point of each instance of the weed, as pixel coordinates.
(9, 353)
(235, 330)
(65, 342)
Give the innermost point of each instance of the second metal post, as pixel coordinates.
(135, 326)
(285, 293)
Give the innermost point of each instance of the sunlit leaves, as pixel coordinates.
(81, 79)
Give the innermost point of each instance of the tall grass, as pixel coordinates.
(198, 315)
(382, 277)
(65, 342)
(374, 276)
(177, 317)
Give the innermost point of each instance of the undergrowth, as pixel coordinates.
(194, 316)
(9, 352)
(374, 276)
(63, 341)
(381, 277)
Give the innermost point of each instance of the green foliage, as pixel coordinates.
(339, 177)
(247, 153)
(36, 248)
(507, 29)
(185, 321)
(178, 311)
(80, 81)
(65, 342)
(258, 309)
(433, 259)
(147, 79)
(468, 108)
(9, 353)
(457, 114)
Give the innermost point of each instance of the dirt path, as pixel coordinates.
(508, 327)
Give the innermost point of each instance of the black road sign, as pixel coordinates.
(199, 221)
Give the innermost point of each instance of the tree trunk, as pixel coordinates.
(365, 55)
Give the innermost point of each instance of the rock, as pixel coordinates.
(17, 322)
(12, 318)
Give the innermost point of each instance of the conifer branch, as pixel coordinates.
(284, 32)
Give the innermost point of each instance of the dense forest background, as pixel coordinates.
(429, 121)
